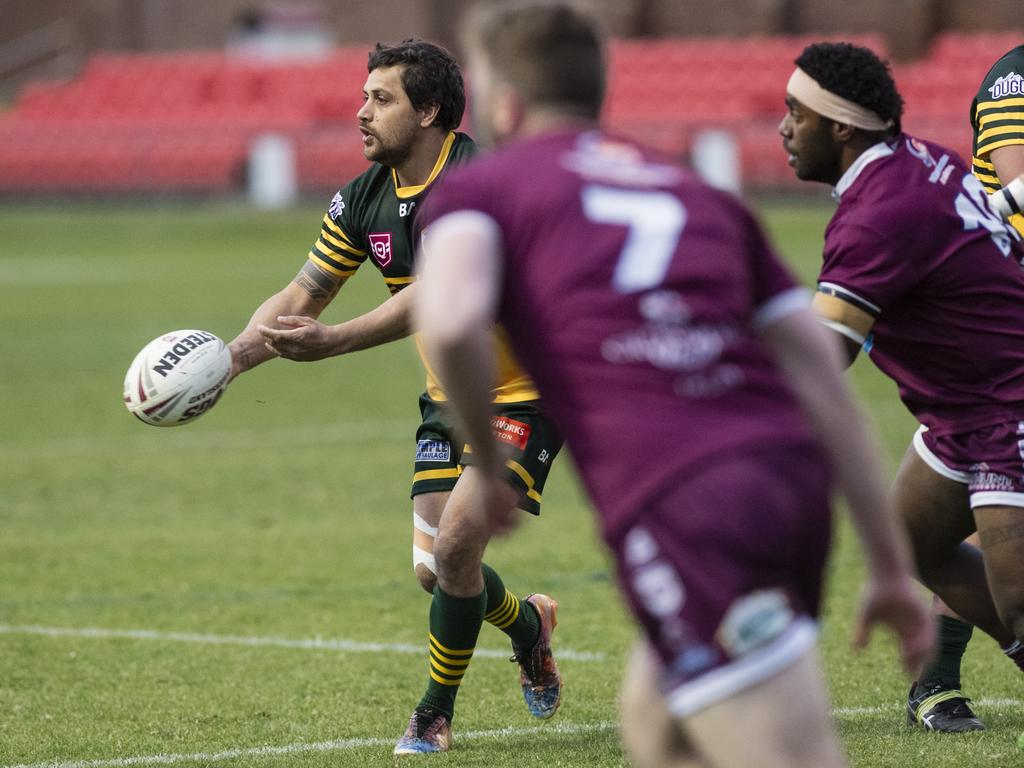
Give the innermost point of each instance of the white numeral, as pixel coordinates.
(655, 221)
(975, 212)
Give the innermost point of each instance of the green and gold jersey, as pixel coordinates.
(997, 116)
(372, 217)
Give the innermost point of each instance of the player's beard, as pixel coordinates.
(393, 148)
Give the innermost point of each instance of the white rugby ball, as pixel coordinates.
(177, 377)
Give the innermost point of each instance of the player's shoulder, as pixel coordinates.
(905, 167)
(463, 149)
(367, 183)
(1004, 78)
(354, 196)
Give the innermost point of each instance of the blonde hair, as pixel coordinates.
(552, 51)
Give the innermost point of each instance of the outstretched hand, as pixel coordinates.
(301, 338)
(897, 603)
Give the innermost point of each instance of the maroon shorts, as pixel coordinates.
(725, 573)
(989, 461)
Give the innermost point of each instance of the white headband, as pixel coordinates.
(806, 90)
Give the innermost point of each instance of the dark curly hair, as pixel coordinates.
(430, 76)
(855, 73)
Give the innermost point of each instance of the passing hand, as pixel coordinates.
(897, 603)
(300, 338)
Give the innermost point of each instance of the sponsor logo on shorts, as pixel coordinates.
(433, 450)
(510, 431)
(754, 620)
(380, 244)
(1008, 85)
(984, 479)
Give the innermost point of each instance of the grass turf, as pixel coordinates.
(284, 516)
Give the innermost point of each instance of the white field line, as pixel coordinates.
(341, 745)
(307, 644)
(566, 729)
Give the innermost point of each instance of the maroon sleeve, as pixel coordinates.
(865, 268)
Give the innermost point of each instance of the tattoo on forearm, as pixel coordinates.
(1002, 534)
(244, 359)
(319, 284)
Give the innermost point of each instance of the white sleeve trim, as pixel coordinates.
(843, 290)
(780, 305)
(466, 222)
(845, 330)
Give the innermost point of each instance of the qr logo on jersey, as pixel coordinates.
(1008, 85)
(380, 244)
(336, 207)
(433, 450)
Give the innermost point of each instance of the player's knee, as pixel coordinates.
(455, 554)
(426, 577)
(425, 566)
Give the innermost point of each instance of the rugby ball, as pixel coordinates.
(177, 377)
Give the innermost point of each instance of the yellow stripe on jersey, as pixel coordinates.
(990, 182)
(343, 261)
(442, 158)
(988, 148)
(339, 232)
(1001, 130)
(400, 280)
(328, 238)
(992, 117)
(328, 264)
(1001, 104)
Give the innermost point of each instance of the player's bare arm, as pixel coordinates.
(306, 339)
(850, 323)
(1008, 161)
(307, 295)
(812, 363)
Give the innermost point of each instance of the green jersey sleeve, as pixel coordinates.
(339, 248)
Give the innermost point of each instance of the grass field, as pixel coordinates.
(239, 592)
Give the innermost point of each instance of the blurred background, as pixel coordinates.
(258, 99)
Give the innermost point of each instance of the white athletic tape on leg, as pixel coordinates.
(421, 556)
(422, 525)
(424, 558)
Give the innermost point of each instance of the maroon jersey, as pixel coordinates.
(632, 293)
(915, 244)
